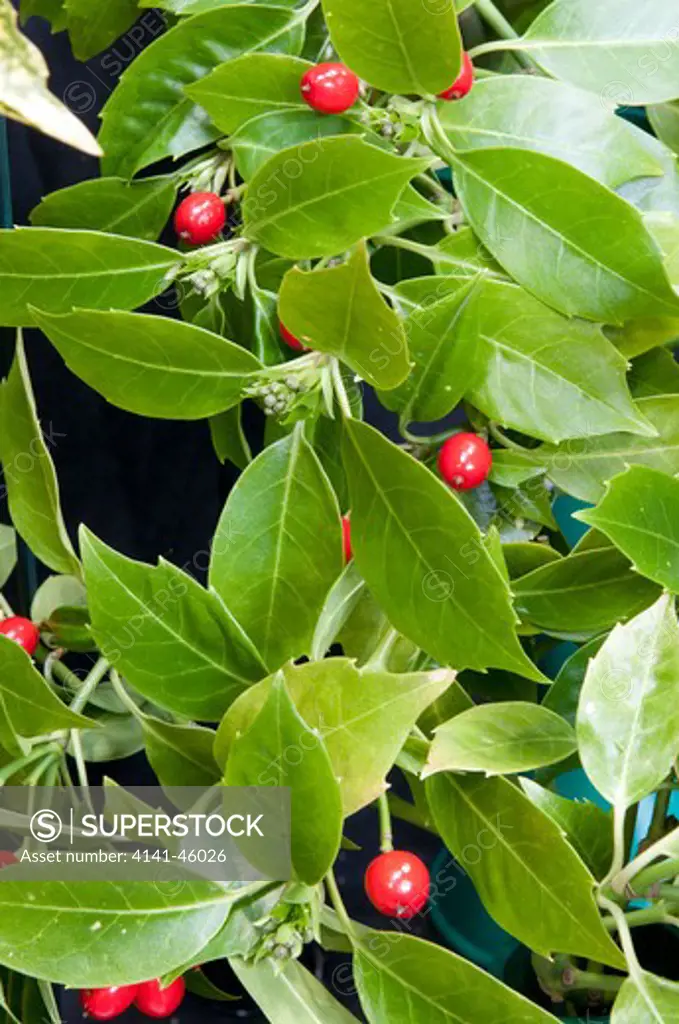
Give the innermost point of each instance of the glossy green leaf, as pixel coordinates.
(664, 118)
(148, 929)
(602, 264)
(58, 270)
(646, 999)
(262, 137)
(151, 365)
(584, 593)
(497, 739)
(228, 438)
(28, 470)
(51, 10)
(149, 116)
(529, 112)
(180, 755)
(396, 46)
(405, 980)
(139, 209)
(640, 514)
(542, 374)
(563, 695)
(174, 641)
(93, 29)
(339, 310)
(279, 749)
(8, 552)
(522, 557)
(446, 361)
(28, 707)
(363, 716)
(323, 196)
(653, 374)
(256, 83)
(628, 715)
(581, 467)
(422, 556)
(511, 468)
(518, 860)
(117, 738)
(625, 53)
(462, 255)
(339, 604)
(290, 995)
(277, 549)
(587, 826)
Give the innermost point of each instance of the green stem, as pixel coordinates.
(40, 769)
(496, 46)
(498, 435)
(398, 242)
(79, 759)
(90, 684)
(429, 439)
(5, 607)
(340, 390)
(670, 893)
(380, 656)
(386, 836)
(636, 918)
(434, 186)
(59, 670)
(656, 829)
(124, 696)
(405, 811)
(496, 19)
(660, 872)
(338, 903)
(22, 762)
(594, 982)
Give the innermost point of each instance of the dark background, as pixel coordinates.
(147, 487)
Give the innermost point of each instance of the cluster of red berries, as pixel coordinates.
(22, 631)
(149, 998)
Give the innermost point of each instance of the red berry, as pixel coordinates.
(397, 884)
(346, 539)
(159, 1002)
(22, 631)
(7, 858)
(463, 83)
(290, 340)
(200, 217)
(330, 88)
(465, 461)
(107, 1003)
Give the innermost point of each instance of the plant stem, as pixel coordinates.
(124, 696)
(340, 390)
(5, 607)
(430, 439)
(398, 242)
(594, 982)
(670, 893)
(386, 837)
(79, 758)
(636, 918)
(380, 656)
(59, 670)
(496, 19)
(657, 827)
(498, 435)
(22, 762)
(87, 688)
(400, 808)
(660, 872)
(338, 903)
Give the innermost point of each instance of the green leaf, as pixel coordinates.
(277, 549)
(543, 374)
(653, 374)
(529, 112)
(29, 475)
(446, 364)
(414, 543)
(640, 514)
(149, 116)
(117, 738)
(497, 739)
(24, 95)
(342, 598)
(323, 196)
(228, 438)
(664, 118)
(148, 929)
(8, 552)
(462, 255)
(28, 707)
(51, 10)
(602, 264)
(188, 8)
(646, 999)
(511, 468)
(93, 29)
(151, 365)
(339, 310)
(583, 593)
(180, 755)
(522, 861)
(257, 83)
(58, 270)
(395, 46)
(405, 980)
(363, 716)
(563, 695)
(613, 48)
(139, 209)
(587, 827)
(581, 467)
(522, 557)
(259, 139)
(291, 994)
(628, 715)
(279, 749)
(174, 641)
